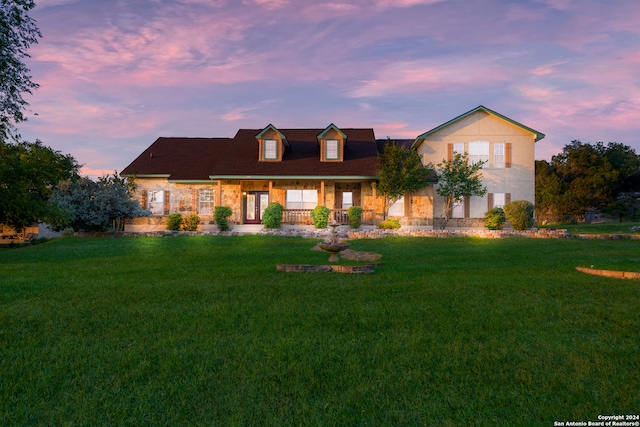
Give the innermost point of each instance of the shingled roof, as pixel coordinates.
(200, 159)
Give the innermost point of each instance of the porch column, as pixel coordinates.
(324, 202)
(374, 196)
(270, 191)
(219, 194)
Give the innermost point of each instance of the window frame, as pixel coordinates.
(304, 202)
(398, 206)
(479, 151)
(209, 200)
(499, 164)
(153, 201)
(270, 153)
(331, 143)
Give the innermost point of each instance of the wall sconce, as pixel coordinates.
(244, 193)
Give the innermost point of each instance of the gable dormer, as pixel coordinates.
(272, 144)
(332, 143)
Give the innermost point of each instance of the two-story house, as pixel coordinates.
(331, 166)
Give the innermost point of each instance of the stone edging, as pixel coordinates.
(353, 269)
(610, 273)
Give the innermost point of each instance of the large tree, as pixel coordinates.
(18, 31)
(97, 205)
(401, 171)
(587, 176)
(29, 172)
(457, 179)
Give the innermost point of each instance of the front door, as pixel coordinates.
(254, 205)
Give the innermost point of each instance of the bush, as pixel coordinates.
(520, 214)
(272, 215)
(191, 222)
(495, 219)
(174, 221)
(221, 216)
(320, 216)
(390, 224)
(355, 216)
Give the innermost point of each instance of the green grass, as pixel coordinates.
(204, 331)
(597, 228)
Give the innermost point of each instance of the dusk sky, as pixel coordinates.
(116, 75)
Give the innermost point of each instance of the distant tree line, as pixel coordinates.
(588, 177)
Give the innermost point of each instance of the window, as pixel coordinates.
(332, 149)
(499, 200)
(498, 155)
(270, 150)
(302, 199)
(206, 201)
(397, 209)
(458, 147)
(347, 199)
(156, 202)
(478, 151)
(457, 210)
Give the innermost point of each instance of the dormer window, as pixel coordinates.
(270, 149)
(332, 143)
(332, 149)
(272, 144)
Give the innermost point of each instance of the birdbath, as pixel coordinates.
(334, 247)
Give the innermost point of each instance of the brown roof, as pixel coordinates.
(205, 158)
(180, 158)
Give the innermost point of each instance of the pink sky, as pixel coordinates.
(117, 74)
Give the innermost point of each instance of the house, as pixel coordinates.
(332, 166)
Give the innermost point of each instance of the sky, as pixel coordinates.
(115, 75)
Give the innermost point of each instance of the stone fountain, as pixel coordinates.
(334, 247)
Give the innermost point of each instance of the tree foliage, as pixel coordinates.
(29, 174)
(586, 176)
(18, 31)
(96, 205)
(457, 178)
(401, 171)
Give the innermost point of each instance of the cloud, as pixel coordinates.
(413, 77)
(404, 3)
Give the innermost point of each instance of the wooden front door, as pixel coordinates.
(255, 203)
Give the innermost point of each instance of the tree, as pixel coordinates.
(587, 176)
(29, 173)
(401, 171)
(18, 31)
(457, 179)
(97, 206)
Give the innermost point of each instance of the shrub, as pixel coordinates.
(191, 222)
(174, 221)
(272, 215)
(520, 214)
(390, 224)
(320, 216)
(495, 219)
(355, 216)
(221, 216)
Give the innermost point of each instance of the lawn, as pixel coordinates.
(203, 330)
(612, 227)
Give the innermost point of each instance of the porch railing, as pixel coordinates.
(303, 216)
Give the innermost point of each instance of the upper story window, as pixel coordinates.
(498, 155)
(332, 149)
(270, 149)
(478, 151)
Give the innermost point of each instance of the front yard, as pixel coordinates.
(203, 330)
